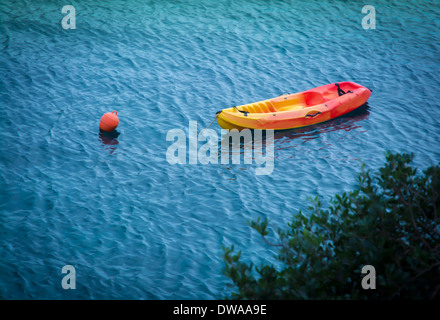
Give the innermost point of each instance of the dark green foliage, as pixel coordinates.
(390, 221)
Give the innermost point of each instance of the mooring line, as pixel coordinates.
(216, 115)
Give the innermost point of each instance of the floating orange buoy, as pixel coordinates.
(109, 121)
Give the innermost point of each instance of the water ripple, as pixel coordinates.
(136, 227)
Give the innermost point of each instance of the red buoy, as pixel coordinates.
(109, 121)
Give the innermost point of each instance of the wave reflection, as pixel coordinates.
(109, 140)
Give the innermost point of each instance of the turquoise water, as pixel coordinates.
(136, 227)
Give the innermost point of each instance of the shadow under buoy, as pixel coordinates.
(109, 140)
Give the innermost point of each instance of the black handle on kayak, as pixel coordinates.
(312, 115)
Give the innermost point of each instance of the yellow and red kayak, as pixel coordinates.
(296, 110)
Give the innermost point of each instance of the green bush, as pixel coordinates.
(390, 221)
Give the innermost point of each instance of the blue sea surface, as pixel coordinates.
(135, 226)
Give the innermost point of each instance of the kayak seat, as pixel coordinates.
(313, 98)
